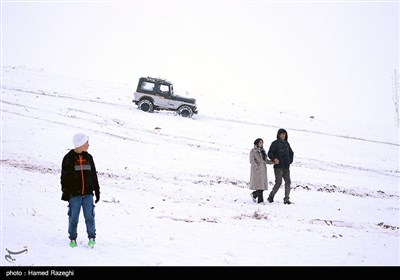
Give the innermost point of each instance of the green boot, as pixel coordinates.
(72, 243)
(91, 242)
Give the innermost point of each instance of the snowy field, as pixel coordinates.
(174, 191)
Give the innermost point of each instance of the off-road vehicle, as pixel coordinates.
(158, 94)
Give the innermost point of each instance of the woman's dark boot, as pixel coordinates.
(260, 196)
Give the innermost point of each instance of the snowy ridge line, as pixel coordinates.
(211, 145)
(69, 125)
(58, 95)
(169, 138)
(307, 131)
(196, 143)
(386, 226)
(329, 188)
(324, 165)
(187, 220)
(18, 105)
(392, 230)
(49, 112)
(202, 179)
(220, 180)
(45, 74)
(118, 123)
(331, 223)
(30, 167)
(199, 144)
(53, 170)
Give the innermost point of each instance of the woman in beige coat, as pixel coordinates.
(258, 171)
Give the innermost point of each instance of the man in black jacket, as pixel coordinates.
(78, 182)
(282, 154)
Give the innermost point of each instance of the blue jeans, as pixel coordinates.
(75, 203)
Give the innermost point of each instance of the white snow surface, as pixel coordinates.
(174, 191)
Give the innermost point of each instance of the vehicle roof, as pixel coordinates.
(156, 80)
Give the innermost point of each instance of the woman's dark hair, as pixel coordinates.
(257, 141)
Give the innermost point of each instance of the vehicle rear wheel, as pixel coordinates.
(185, 111)
(146, 106)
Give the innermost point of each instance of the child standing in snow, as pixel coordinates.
(78, 182)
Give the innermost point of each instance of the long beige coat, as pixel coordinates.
(258, 171)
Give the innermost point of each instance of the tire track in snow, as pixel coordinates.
(195, 179)
(192, 142)
(58, 95)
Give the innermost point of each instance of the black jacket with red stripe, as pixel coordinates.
(78, 174)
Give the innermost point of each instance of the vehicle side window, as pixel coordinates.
(147, 86)
(164, 89)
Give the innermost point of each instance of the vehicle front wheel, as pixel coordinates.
(185, 111)
(146, 106)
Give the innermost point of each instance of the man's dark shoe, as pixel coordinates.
(287, 202)
(270, 199)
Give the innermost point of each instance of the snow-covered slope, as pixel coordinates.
(174, 191)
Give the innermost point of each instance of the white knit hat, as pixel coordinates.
(79, 139)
